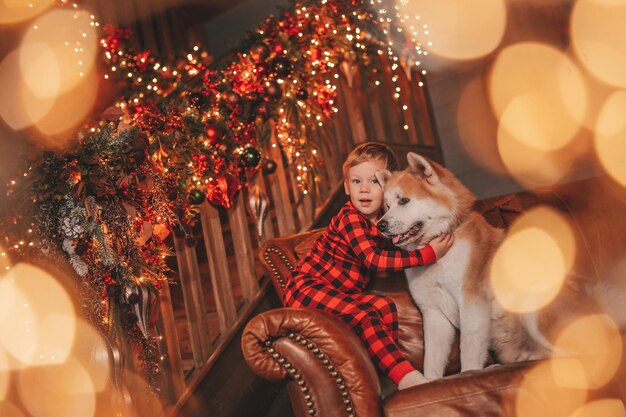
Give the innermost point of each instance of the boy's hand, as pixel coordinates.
(441, 244)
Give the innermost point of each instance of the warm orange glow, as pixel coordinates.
(69, 111)
(610, 137)
(58, 51)
(7, 409)
(530, 166)
(599, 39)
(597, 94)
(13, 11)
(569, 373)
(57, 391)
(5, 261)
(91, 351)
(595, 342)
(146, 402)
(37, 319)
(19, 107)
(538, 94)
(539, 394)
(478, 127)
(608, 407)
(531, 119)
(40, 69)
(460, 29)
(530, 266)
(4, 375)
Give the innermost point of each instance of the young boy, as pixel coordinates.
(335, 272)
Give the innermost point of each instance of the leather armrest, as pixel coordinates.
(280, 256)
(328, 369)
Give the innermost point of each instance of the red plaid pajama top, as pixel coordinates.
(336, 271)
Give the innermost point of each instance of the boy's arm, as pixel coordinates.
(365, 247)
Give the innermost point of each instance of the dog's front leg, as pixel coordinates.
(438, 339)
(474, 336)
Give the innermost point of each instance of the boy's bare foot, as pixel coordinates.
(411, 379)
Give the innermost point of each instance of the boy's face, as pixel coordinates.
(365, 192)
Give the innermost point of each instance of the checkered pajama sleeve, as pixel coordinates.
(364, 244)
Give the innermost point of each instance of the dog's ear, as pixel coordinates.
(382, 175)
(421, 166)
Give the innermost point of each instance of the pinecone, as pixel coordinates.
(72, 228)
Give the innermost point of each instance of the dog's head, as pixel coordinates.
(421, 202)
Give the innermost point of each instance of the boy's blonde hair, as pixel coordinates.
(369, 151)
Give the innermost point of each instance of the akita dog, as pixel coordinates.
(423, 202)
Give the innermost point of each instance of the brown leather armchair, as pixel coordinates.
(329, 373)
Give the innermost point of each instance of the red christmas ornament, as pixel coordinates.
(315, 53)
(278, 48)
(214, 134)
(222, 190)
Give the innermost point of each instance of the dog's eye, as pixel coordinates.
(403, 201)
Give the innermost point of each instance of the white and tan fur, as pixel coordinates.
(454, 293)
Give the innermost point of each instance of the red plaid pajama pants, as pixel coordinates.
(373, 317)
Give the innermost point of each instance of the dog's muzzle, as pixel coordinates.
(408, 235)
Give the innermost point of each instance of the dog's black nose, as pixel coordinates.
(382, 225)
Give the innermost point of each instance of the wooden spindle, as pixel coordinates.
(243, 249)
(218, 266)
(174, 374)
(191, 285)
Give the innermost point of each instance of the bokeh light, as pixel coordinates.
(37, 319)
(60, 390)
(69, 110)
(540, 394)
(42, 74)
(146, 402)
(58, 51)
(538, 94)
(599, 39)
(607, 407)
(4, 375)
(460, 29)
(530, 266)
(532, 167)
(597, 94)
(478, 127)
(92, 352)
(14, 11)
(594, 341)
(610, 136)
(8, 409)
(50, 80)
(568, 372)
(19, 107)
(5, 261)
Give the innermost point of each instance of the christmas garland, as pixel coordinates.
(186, 132)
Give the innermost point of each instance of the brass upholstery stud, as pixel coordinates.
(273, 268)
(291, 370)
(343, 391)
